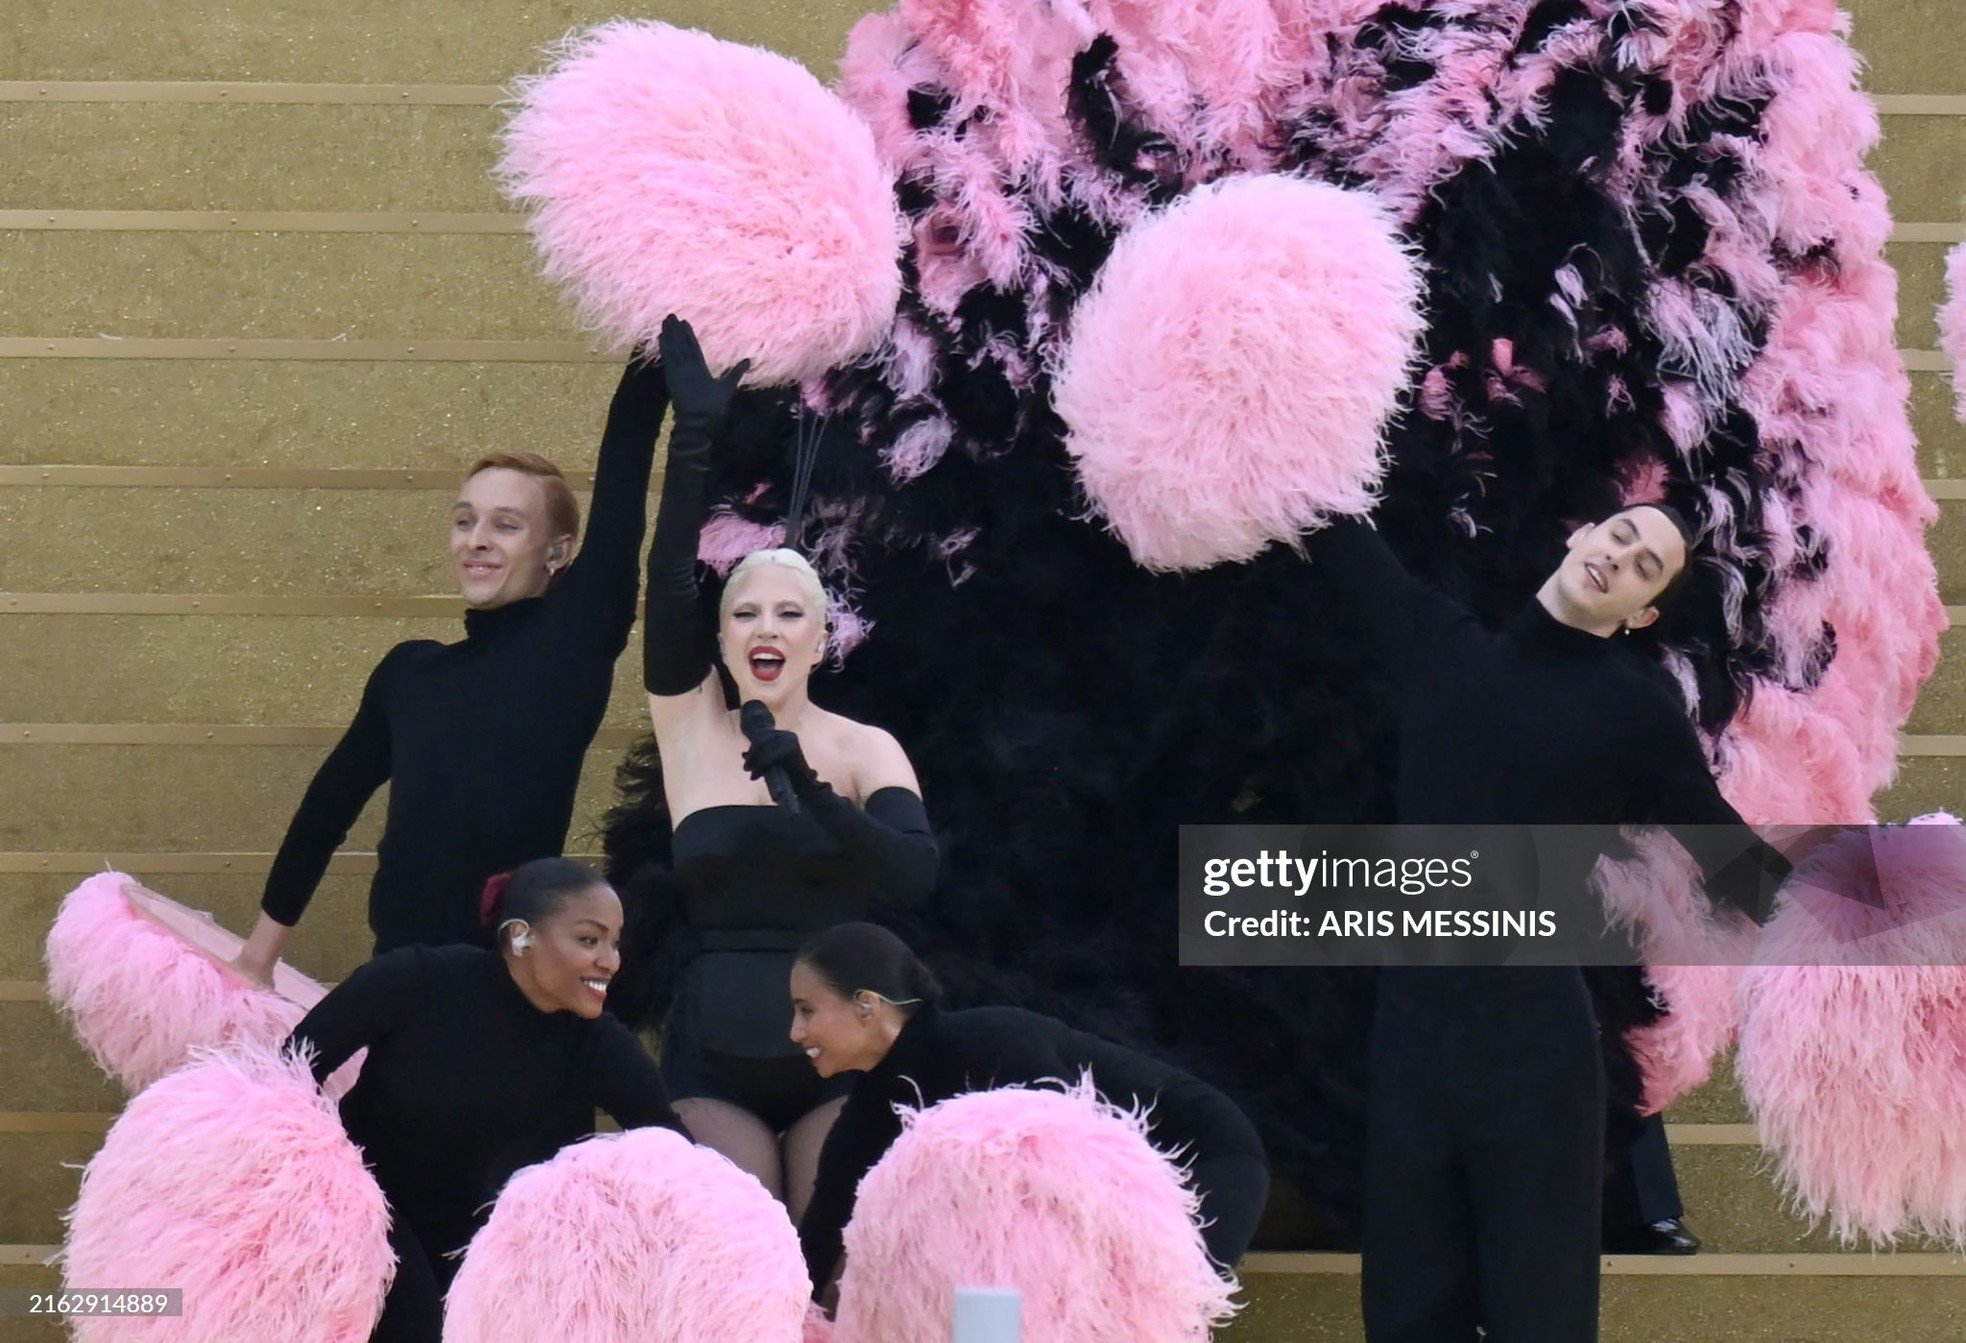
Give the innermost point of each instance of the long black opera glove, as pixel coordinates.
(891, 834)
(678, 645)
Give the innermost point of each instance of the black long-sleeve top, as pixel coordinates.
(1537, 723)
(482, 741)
(466, 1081)
(942, 1054)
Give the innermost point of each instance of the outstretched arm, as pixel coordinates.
(623, 1080)
(359, 1009)
(347, 779)
(678, 644)
(1741, 869)
(601, 581)
(1351, 560)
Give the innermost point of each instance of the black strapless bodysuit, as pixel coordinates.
(761, 881)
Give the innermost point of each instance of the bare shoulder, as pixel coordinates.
(873, 757)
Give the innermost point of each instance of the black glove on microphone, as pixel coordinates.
(768, 762)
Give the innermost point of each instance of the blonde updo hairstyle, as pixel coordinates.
(809, 584)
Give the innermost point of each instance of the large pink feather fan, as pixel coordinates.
(1692, 953)
(668, 171)
(1952, 325)
(233, 1179)
(639, 1237)
(144, 981)
(1853, 1034)
(1054, 1194)
(1230, 375)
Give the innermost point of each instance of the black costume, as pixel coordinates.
(1640, 1192)
(1486, 1086)
(466, 1082)
(759, 880)
(482, 741)
(942, 1054)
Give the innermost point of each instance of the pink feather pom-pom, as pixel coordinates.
(1952, 325)
(144, 981)
(1230, 376)
(1054, 1194)
(670, 171)
(627, 1238)
(1853, 1034)
(234, 1180)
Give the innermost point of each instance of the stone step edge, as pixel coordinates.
(1266, 1264)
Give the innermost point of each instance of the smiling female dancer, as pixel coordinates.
(480, 1063)
(864, 1007)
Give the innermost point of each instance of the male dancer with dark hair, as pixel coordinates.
(1486, 1095)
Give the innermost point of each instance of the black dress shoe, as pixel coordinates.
(1668, 1237)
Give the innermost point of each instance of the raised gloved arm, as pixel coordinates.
(678, 645)
(601, 580)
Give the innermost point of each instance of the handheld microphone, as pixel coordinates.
(757, 723)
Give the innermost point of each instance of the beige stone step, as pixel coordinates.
(168, 799)
(1758, 1299)
(1920, 166)
(1921, 281)
(250, 413)
(1941, 438)
(1922, 786)
(372, 41)
(315, 286)
(332, 939)
(278, 156)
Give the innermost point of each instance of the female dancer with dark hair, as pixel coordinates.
(863, 1003)
(759, 877)
(448, 725)
(480, 1063)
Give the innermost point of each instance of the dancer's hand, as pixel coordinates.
(779, 749)
(696, 394)
(262, 951)
(252, 968)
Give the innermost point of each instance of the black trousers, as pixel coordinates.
(1642, 1189)
(413, 1312)
(1233, 1189)
(1484, 1158)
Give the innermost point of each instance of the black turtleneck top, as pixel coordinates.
(941, 1054)
(1539, 723)
(466, 1081)
(482, 741)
